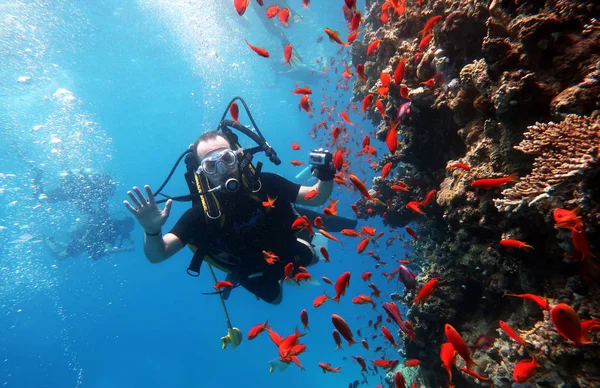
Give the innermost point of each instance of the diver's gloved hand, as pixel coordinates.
(322, 167)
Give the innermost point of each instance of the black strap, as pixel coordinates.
(195, 263)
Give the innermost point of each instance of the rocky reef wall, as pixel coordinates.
(514, 88)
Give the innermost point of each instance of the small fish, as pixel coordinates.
(399, 72)
(304, 90)
(350, 233)
(366, 276)
(318, 221)
(514, 244)
(319, 300)
(360, 71)
(425, 41)
(272, 11)
(295, 146)
(301, 276)
(459, 345)
(340, 286)
(386, 364)
(525, 370)
(338, 160)
(327, 368)
(325, 254)
(448, 357)
(363, 299)
(240, 6)
(387, 334)
(380, 108)
(385, 170)
(361, 362)
(304, 319)
(270, 202)
(568, 324)
(256, 330)
(259, 50)
(334, 36)
(373, 46)
(345, 117)
(362, 245)
(430, 24)
(484, 341)
(342, 326)
(305, 103)
(412, 362)
(365, 344)
(284, 16)
(399, 188)
(296, 163)
(326, 280)
(311, 194)
(459, 165)
(288, 270)
(234, 111)
(430, 83)
(415, 206)
(411, 232)
(329, 236)
(511, 333)
(305, 3)
(391, 139)
(287, 54)
(425, 291)
(399, 380)
(355, 22)
(337, 339)
(222, 285)
(490, 183)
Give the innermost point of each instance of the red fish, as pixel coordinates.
(300, 276)
(327, 368)
(391, 139)
(234, 111)
(346, 118)
(259, 50)
(459, 345)
(388, 335)
(448, 357)
(331, 210)
(568, 324)
(511, 333)
(525, 370)
(412, 362)
(568, 219)
(459, 165)
(318, 221)
(240, 6)
(287, 54)
(380, 108)
(399, 381)
(295, 146)
(428, 198)
(325, 254)
(425, 41)
(411, 232)
(296, 163)
(319, 300)
(360, 186)
(399, 72)
(543, 303)
(305, 103)
(337, 339)
(341, 325)
(365, 344)
(581, 244)
(350, 233)
(327, 280)
(256, 330)
(304, 90)
(334, 36)
(493, 182)
(269, 203)
(430, 24)
(305, 3)
(340, 286)
(355, 22)
(338, 160)
(386, 364)
(366, 276)
(360, 70)
(514, 244)
(385, 79)
(373, 46)
(284, 16)
(363, 299)
(404, 91)
(385, 170)
(361, 362)
(430, 83)
(223, 285)
(272, 11)
(311, 194)
(329, 236)
(304, 319)
(362, 245)
(288, 271)
(276, 338)
(425, 291)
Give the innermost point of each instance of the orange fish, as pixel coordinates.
(338, 159)
(319, 300)
(448, 357)
(349, 233)
(514, 244)
(459, 165)
(360, 186)
(568, 219)
(425, 291)
(430, 24)
(366, 103)
(493, 182)
(385, 79)
(459, 345)
(399, 188)
(329, 236)
(223, 285)
(342, 326)
(288, 270)
(355, 22)
(543, 303)
(311, 194)
(270, 202)
(325, 254)
(300, 276)
(234, 111)
(340, 286)
(327, 368)
(296, 162)
(272, 11)
(391, 139)
(511, 333)
(256, 330)
(304, 90)
(568, 324)
(363, 299)
(386, 364)
(360, 70)
(240, 6)
(366, 276)
(259, 50)
(362, 245)
(287, 54)
(334, 36)
(380, 108)
(318, 221)
(368, 230)
(399, 72)
(303, 223)
(525, 370)
(425, 41)
(304, 319)
(305, 103)
(373, 46)
(270, 258)
(428, 198)
(284, 16)
(295, 146)
(346, 118)
(331, 210)
(383, 91)
(404, 91)
(415, 206)
(385, 170)
(474, 374)
(388, 335)
(430, 83)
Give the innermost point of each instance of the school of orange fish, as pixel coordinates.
(337, 134)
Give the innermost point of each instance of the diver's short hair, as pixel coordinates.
(209, 135)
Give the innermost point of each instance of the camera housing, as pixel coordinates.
(317, 158)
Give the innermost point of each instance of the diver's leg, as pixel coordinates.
(57, 249)
(305, 254)
(265, 288)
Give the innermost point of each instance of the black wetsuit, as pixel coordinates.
(249, 229)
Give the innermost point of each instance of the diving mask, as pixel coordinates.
(220, 162)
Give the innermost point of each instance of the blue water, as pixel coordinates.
(147, 78)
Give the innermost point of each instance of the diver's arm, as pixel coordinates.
(159, 248)
(323, 187)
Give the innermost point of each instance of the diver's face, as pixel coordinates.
(208, 148)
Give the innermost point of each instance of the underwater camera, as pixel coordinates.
(317, 158)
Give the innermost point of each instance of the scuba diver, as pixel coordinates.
(238, 212)
(96, 238)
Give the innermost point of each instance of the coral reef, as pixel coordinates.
(520, 95)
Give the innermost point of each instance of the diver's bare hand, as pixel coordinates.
(146, 211)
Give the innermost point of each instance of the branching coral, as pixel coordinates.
(565, 152)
